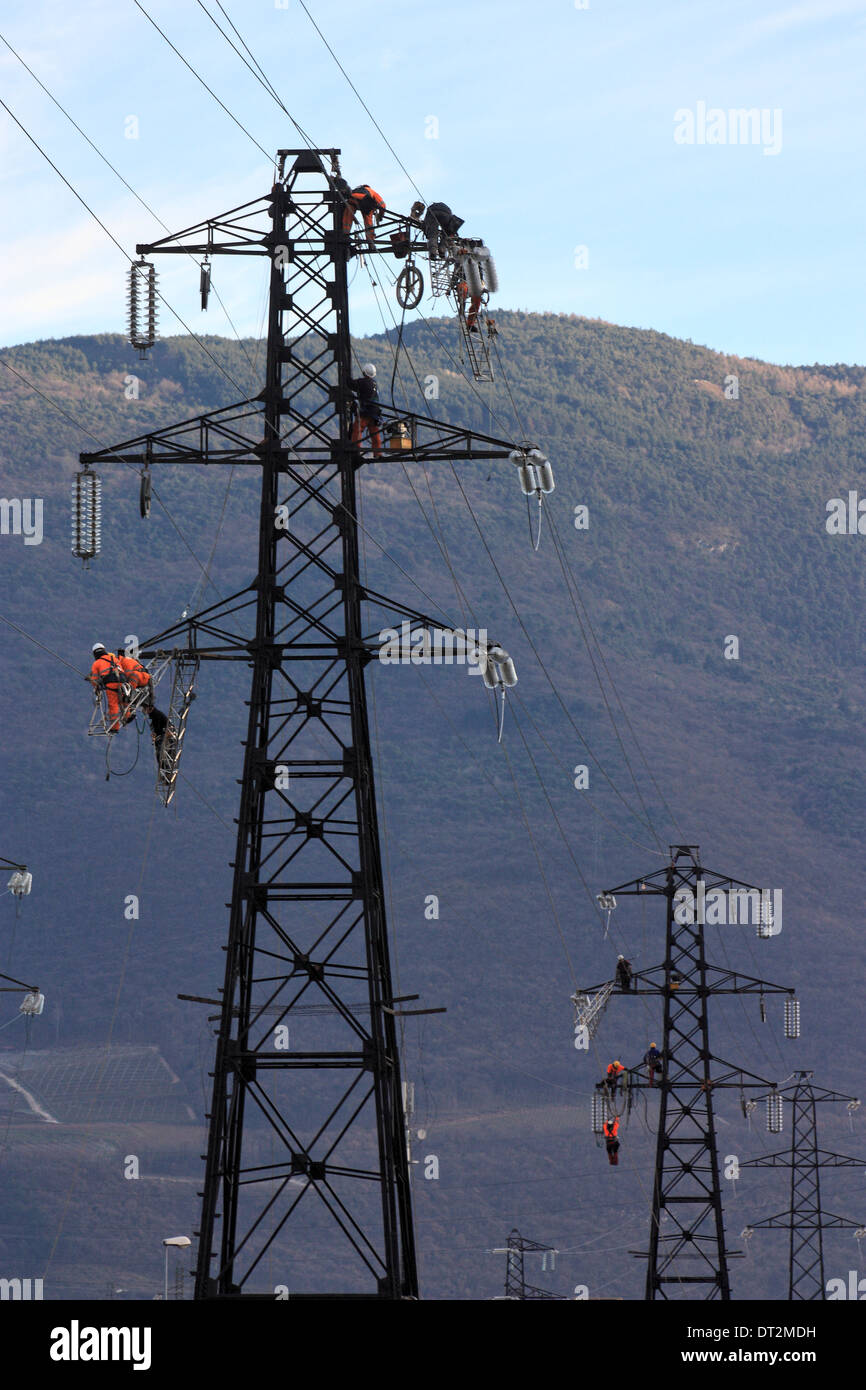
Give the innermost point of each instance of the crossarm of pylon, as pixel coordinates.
(16, 984)
(718, 980)
(733, 982)
(435, 439)
(825, 1159)
(193, 441)
(237, 223)
(657, 881)
(788, 1220)
(422, 620)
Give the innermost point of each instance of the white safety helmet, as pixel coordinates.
(368, 369)
(98, 647)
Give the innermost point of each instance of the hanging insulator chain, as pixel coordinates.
(764, 928)
(86, 515)
(792, 1018)
(204, 283)
(774, 1114)
(141, 305)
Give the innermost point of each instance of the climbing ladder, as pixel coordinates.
(588, 1008)
(171, 744)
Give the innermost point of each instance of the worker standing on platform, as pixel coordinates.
(623, 972)
(611, 1143)
(653, 1061)
(615, 1071)
(369, 410)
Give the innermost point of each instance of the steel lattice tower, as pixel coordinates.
(515, 1251)
(307, 915)
(805, 1220)
(687, 1186)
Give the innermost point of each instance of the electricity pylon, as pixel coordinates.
(805, 1219)
(307, 912)
(516, 1286)
(687, 1188)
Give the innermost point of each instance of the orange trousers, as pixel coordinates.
(362, 423)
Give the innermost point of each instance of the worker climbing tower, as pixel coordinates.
(805, 1219)
(306, 1126)
(691, 1254)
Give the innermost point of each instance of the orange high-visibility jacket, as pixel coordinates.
(133, 670)
(106, 670)
(367, 200)
(610, 1128)
(614, 1070)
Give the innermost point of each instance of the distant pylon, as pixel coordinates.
(805, 1219)
(516, 1286)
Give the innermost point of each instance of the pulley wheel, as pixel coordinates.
(409, 287)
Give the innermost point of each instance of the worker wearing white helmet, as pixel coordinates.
(623, 972)
(105, 674)
(369, 411)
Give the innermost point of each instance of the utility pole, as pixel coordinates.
(516, 1286)
(686, 1186)
(307, 911)
(805, 1219)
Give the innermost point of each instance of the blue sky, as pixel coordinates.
(556, 130)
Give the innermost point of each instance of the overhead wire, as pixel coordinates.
(124, 181)
(200, 79)
(648, 825)
(260, 75)
(108, 450)
(478, 528)
(113, 238)
(361, 99)
(601, 687)
(577, 599)
(443, 550)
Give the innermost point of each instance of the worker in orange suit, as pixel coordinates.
(371, 207)
(105, 674)
(614, 1072)
(137, 676)
(474, 305)
(611, 1143)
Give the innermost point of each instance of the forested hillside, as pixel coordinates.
(706, 480)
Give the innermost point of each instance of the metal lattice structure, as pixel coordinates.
(805, 1220)
(171, 744)
(515, 1251)
(307, 920)
(692, 1253)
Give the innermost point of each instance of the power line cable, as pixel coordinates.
(361, 99)
(124, 181)
(260, 75)
(199, 78)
